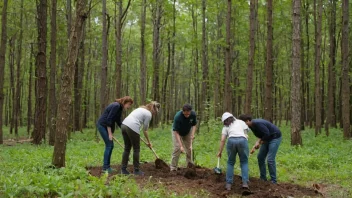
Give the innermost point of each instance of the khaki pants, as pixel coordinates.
(186, 141)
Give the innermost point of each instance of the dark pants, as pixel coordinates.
(109, 145)
(131, 139)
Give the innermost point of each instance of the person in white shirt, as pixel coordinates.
(236, 132)
(131, 126)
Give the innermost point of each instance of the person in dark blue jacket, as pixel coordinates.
(106, 126)
(269, 141)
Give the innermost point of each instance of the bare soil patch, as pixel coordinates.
(199, 181)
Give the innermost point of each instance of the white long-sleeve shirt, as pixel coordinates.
(138, 118)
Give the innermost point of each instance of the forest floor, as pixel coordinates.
(204, 181)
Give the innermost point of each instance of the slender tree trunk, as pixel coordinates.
(2, 62)
(12, 42)
(296, 138)
(143, 63)
(345, 70)
(205, 85)
(330, 116)
(118, 31)
(52, 89)
(228, 77)
(318, 40)
(17, 102)
(104, 65)
(41, 79)
(66, 86)
(29, 100)
(268, 113)
(157, 14)
(69, 17)
(251, 58)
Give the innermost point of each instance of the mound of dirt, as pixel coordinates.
(198, 179)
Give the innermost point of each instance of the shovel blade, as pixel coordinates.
(217, 170)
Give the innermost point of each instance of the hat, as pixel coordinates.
(225, 116)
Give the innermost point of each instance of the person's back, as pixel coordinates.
(265, 130)
(137, 118)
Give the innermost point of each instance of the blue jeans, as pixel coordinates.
(237, 145)
(268, 150)
(109, 145)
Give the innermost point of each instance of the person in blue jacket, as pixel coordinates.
(269, 141)
(106, 126)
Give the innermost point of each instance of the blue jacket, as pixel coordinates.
(265, 130)
(111, 115)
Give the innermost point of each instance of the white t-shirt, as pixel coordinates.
(236, 129)
(138, 118)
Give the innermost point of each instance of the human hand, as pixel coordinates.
(110, 137)
(150, 145)
(252, 150)
(219, 154)
(182, 149)
(192, 136)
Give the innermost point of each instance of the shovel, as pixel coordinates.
(159, 163)
(117, 141)
(217, 169)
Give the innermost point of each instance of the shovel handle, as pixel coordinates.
(218, 162)
(117, 141)
(151, 148)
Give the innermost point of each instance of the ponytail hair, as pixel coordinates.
(153, 107)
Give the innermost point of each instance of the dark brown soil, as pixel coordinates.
(196, 179)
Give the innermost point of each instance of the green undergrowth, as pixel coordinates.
(26, 169)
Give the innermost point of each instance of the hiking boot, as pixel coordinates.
(138, 172)
(228, 186)
(124, 171)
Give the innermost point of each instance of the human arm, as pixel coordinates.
(147, 138)
(222, 144)
(109, 133)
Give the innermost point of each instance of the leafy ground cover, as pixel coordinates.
(323, 164)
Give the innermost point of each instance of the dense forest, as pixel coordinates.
(62, 62)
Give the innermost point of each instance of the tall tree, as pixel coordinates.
(52, 89)
(268, 113)
(17, 102)
(2, 62)
(318, 39)
(63, 114)
(205, 83)
(252, 30)
(296, 138)
(157, 14)
(104, 64)
(345, 70)
(228, 87)
(29, 100)
(41, 79)
(143, 62)
(330, 116)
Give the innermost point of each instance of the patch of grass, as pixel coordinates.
(25, 168)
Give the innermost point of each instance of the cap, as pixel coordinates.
(225, 116)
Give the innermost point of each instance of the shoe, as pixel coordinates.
(173, 169)
(124, 171)
(109, 170)
(228, 186)
(138, 172)
(245, 186)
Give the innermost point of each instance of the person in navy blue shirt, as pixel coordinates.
(106, 126)
(269, 141)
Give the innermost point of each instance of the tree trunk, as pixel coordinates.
(52, 89)
(205, 85)
(29, 100)
(66, 86)
(330, 116)
(268, 113)
(118, 32)
(2, 62)
(228, 76)
(104, 65)
(249, 82)
(143, 63)
(12, 42)
(296, 138)
(318, 39)
(69, 17)
(41, 79)
(345, 70)
(157, 14)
